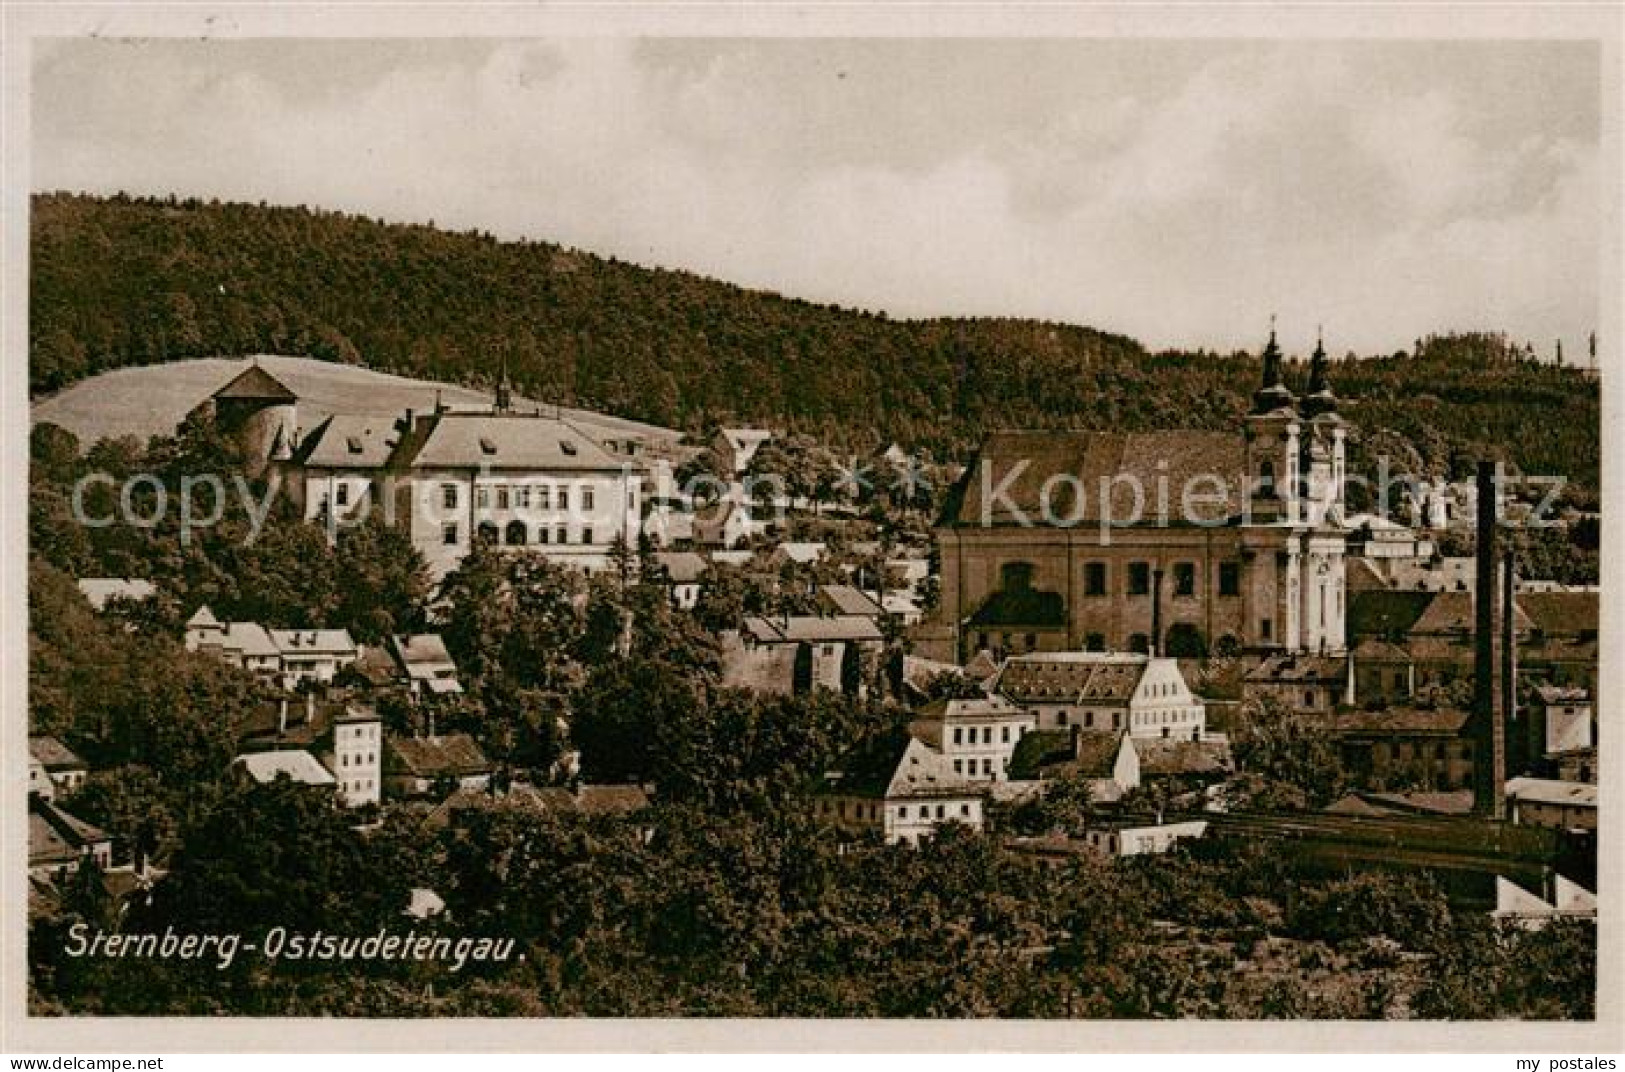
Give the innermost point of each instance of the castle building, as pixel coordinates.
(1174, 542)
(260, 413)
(450, 477)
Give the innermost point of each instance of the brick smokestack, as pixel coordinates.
(1509, 656)
(1489, 711)
(1156, 612)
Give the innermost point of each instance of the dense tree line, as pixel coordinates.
(122, 281)
(682, 911)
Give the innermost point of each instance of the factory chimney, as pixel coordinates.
(1156, 613)
(1491, 687)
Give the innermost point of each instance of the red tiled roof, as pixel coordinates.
(1185, 459)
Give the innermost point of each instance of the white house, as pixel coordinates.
(1143, 694)
(1548, 802)
(1130, 838)
(312, 655)
(64, 770)
(977, 737)
(427, 664)
(245, 644)
(452, 477)
(344, 740)
(899, 787)
(683, 570)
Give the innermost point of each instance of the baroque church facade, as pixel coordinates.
(1178, 542)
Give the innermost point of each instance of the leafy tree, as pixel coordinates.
(1290, 763)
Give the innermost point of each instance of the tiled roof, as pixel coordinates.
(312, 641)
(1361, 575)
(1551, 791)
(1558, 694)
(1283, 669)
(1072, 677)
(1400, 721)
(55, 836)
(1040, 749)
(299, 765)
(1561, 613)
(596, 799)
(475, 440)
(896, 764)
(1385, 613)
(203, 616)
(421, 650)
(256, 384)
(1452, 612)
(53, 754)
(682, 567)
(1373, 650)
(1183, 458)
(250, 638)
(803, 553)
(1171, 756)
(454, 754)
(1095, 753)
(352, 442)
(845, 599)
(812, 629)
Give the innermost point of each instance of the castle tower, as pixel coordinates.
(260, 414)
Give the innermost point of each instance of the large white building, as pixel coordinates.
(532, 480)
(1144, 695)
(517, 481)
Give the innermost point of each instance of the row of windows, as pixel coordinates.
(872, 811)
(521, 496)
(925, 811)
(516, 534)
(1157, 718)
(1096, 579)
(968, 766)
(518, 496)
(358, 786)
(1088, 720)
(967, 734)
(344, 760)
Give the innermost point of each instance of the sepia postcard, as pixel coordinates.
(1079, 525)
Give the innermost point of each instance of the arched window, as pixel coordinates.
(1266, 477)
(487, 532)
(1139, 643)
(515, 534)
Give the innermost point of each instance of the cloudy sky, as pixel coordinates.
(1177, 191)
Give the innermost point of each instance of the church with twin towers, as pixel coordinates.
(1179, 542)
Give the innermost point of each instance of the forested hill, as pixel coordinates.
(123, 281)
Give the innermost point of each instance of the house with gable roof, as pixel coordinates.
(899, 787)
(1145, 695)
